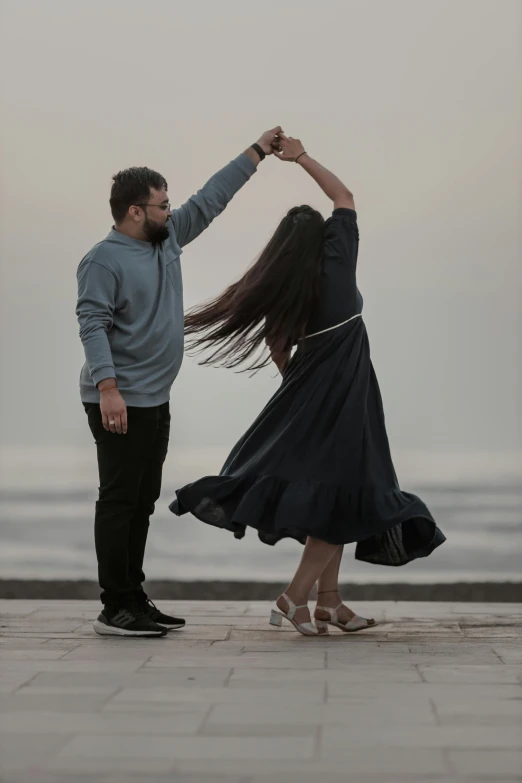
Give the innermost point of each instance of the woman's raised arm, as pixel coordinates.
(293, 151)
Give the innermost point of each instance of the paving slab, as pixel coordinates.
(232, 700)
(342, 713)
(478, 763)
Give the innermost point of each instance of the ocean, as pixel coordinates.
(47, 507)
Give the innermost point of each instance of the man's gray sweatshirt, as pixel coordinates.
(130, 298)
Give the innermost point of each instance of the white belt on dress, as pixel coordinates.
(358, 315)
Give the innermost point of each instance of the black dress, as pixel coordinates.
(316, 462)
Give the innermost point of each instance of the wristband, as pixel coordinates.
(259, 151)
(300, 154)
(108, 388)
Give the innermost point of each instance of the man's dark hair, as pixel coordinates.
(132, 186)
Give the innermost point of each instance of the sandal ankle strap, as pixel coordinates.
(292, 608)
(291, 604)
(332, 612)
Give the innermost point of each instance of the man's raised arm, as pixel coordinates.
(199, 211)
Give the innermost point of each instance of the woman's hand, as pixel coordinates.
(281, 359)
(288, 148)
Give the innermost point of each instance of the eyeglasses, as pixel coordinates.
(163, 207)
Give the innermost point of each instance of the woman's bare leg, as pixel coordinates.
(328, 590)
(316, 557)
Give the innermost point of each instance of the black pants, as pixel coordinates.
(130, 468)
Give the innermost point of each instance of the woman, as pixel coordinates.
(316, 464)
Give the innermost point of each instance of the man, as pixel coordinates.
(130, 311)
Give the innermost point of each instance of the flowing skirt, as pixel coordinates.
(316, 462)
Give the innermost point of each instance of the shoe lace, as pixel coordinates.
(137, 608)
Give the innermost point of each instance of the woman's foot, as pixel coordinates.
(332, 601)
(290, 610)
(302, 614)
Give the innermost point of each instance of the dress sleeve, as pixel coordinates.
(338, 297)
(341, 238)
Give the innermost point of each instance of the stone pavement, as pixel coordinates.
(432, 694)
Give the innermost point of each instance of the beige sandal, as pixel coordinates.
(355, 624)
(276, 618)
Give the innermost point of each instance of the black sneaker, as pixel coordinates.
(165, 620)
(127, 621)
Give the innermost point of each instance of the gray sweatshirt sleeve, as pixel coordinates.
(95, 308)
(199, 211)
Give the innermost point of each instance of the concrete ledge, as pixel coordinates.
(483, 592)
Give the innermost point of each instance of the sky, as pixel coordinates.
(415, 104)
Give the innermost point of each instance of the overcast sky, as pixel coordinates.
(415, 104)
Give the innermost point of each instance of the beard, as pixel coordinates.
(155, 232)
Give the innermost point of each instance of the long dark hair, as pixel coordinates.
(272, 302)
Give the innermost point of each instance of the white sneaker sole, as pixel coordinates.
(111, 630)
(172, 627)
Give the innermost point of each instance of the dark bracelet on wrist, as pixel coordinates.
(259, 150)
(300, 155)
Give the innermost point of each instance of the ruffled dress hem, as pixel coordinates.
(390, 527)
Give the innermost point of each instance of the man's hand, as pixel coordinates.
(288, 148)
(113, 411)
(269, 140)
